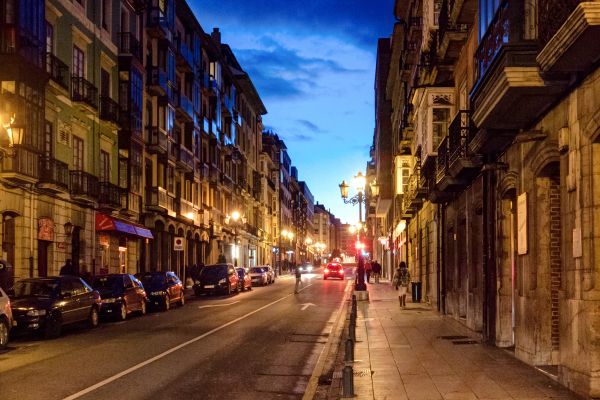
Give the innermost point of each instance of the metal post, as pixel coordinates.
(348, 381)
(352, 331)
(349, 351)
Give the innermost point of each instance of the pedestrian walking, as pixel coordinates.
(403, 280)
(68, 268)
(298, 280)
(376, 271)
(368, 271)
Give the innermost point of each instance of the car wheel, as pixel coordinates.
(143, 307)
(93, 318)
(123, 312)
(182, 301)
(167, 304)
(52, 327)
(3, 334)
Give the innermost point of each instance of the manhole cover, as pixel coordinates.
(465, 342)
(452, 337)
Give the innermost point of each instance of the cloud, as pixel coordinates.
(310, 126)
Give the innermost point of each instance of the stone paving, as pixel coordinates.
(402, 354)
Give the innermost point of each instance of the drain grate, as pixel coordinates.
(457, 342)
(452, 337)
(358, 372)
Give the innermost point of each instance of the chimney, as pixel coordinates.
(216, 36)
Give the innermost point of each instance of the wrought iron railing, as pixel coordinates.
(84, 184)
(54, 172)
(58, 70)
(109, 195)
(460, 133)
(84, 91)
(552, 14)
(109, 109)
(129, 44)
(441, 161)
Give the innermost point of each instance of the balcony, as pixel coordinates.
(23, 167)
(157, 82)
(184, 56)
(131, 203)
(215, 175)
(84, 187)
(157, 199)
(417, 190)
(156, 140)
(172, 150)
(186, 209)
(130, 46)
(251, 229)
(568, 30)
(57, 70)
(463, 164)
(462, 11)
(509, 82)
(451, 36)
(84, 91)
(109, 196)
(184, 109)
(185, 158)
(54, 175)
(138, 5)
(157, 24)
(109, 110)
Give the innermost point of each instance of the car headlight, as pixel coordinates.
(158, 293)
(309, 268)
(36, 313)
(222, 281)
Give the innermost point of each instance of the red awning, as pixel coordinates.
(105, 223)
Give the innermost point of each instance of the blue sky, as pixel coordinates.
(313, 63)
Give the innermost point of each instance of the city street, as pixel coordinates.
(253, 345)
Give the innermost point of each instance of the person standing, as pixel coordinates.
(376, 271)
(403, 280)
(298, 280)
(368, 271)
(68, 269)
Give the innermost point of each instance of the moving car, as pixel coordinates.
(217, 278)
(305, 268)
(333, 270)
(121, 294)
(6, 320)
(163, 288)
(47, 304)
(245, 279)
(259, 276)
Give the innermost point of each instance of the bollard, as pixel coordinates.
(349, 351)
(348, 381)
(352, 332)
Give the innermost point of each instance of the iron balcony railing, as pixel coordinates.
(109, 110)
(84, 184)
(109, 195)
(551, 15)
(84, 91)
(496, 36)
(130, 45)
(54, 172)
(441, 161)
(460, 133)
(58, 70)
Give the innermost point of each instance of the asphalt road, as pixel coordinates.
(262, 344)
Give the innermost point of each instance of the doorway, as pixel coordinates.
(43, 258)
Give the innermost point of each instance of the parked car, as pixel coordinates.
(121, 294)
(6, 320)
(45, 305)
(245, 281)
(270, 273)
(305, 268)
(217, 278)
(333, 270)
(162, 288)
(259, 276)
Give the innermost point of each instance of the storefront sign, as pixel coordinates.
(46, 229)
(522, 224)
(178, 244)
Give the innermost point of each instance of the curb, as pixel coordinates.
(330, 350)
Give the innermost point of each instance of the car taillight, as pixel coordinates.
(326, 271)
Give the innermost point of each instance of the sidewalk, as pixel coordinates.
(418, 354)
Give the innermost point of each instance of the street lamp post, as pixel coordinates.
(12, 135)
(234, 220)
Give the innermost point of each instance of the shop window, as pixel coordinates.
(8, 238)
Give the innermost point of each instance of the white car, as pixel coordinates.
(6, 319)
(259, 276)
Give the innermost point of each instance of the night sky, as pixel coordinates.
(313, 63)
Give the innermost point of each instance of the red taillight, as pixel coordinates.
(326, 271)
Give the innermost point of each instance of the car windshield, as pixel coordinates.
(42, 288)
(258, 270)
(108, 282)
(213, 272)
(153, 280)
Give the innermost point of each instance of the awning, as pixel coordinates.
(104, 223)
(383, 206)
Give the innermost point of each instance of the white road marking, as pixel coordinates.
(219, 305)
(167, 352)
(306, 305)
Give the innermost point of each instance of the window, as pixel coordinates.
(123, 173)
(105, 14)
(136, 170)
(441, 120)
(104, 166)
(402, 174)
(49, 38)
(77, 154)
(78, 62)
(104, 83)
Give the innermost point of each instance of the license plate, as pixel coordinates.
(209, 286)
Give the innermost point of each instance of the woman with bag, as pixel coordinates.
(403, 280)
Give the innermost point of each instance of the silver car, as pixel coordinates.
(259, 276)
(6, 319)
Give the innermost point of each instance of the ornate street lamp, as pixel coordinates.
(235, 219)
(13, 135)
(374, 188)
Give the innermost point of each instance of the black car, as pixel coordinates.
(45, 305)
(121, 294)
(217, 278)
(162, 288)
